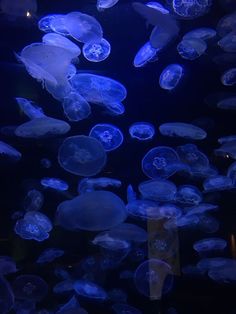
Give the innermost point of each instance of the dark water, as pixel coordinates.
(146, 101)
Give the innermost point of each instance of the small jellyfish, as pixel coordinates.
(142, 131)
(217, 183)
(30, 109)
(76, 107)
(64, 286)
(90, 290)
(54, 183)
(226, 24)
(170, 76)
(19, 8)
(158, 6)
(210, 244)
(161, 162)
(191, 9)
(49, 255)
(228, 42)
(114, 109)
(145, 54)
(46, 163)
(201, 209)
(109, 135)
(229, 77)
(82, 155)
(129, 232)
(92, 184)
(97, 52)
(161, 190)
(33, 200)
(120, 308)
(227, 149)
(204, 33)
(188, 195)
(144, 209)
(206, 264)
(185, 130)
(7, 266)
(191, 48)
(105, 4)
(9, 152)
(108, 242)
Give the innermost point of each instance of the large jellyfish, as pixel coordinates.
(170, 76)
(97, 52)
(145, 54)
(190, 9)
(188, 195)
(210, 244)
(82, 155)
(158, 190)
(19, 8)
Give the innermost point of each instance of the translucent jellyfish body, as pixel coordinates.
(161, 161)
(97, 52)
(158, 190)
(188, 195)
(19, 8)
(145, 54)
(170, 76)
(228, 42)
(30, 109)
(143, 209)
(226, 24)
(82, 155)
(227, 149)
(158, 6)
(53, 23)
(33, 200)
(153, 278)
(191, 9)
(209, 244)
(94, 211)
(54, 183)
(90, 290)
(217, 183)
(7, 151)
(229, 77)
(129, 232)
(6, 295)
(204, 33)
(109, 135)
(108, 242)
(92, 184)
(49, 255)
(191, 48)
(142, 131)
(76, 107)
(105, 4)
(7, 265)
(231, 173)
(185, 130)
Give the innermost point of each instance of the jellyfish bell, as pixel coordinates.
(97, 52)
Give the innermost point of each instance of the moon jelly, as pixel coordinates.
(105, 4)
(217, 183)
(53, 22)
(204, 33)
(210, 244)
(229, 77)
(226, 24)
(110, 243)
(191, 9)
(170, 76)
(33, 200)
(92, 184)
(188, 195)
(227, 149)
(54, 183)
(94, 211)
(76, 107)
(30, 109)
(158, 6)
(82, 155)
(158, 190)
(144, 209)
(97, 52)
(185, 130)
(191, 48)
(129, 232)
(90, 290)
(10, 152)
(49, 255)
(142, 131)
(145, 54)
(120, 308)
(228, 42)
(109, 135)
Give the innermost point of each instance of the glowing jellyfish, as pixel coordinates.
(7, 266)
(191, 9)
(75, 107)
(145, 54)
(63, 286)
(6, 296)
(7, 151)
(191, 48)
(54, 183)
(71, 307)
(53, 22)
(90, 290)
(94, 211)
(129, 232)
(153, 278)
(142, 131)
(30, 109)
(92, 184)
(42, 127)
(82, 155)
(97, 52)
(98, 89)
(170, 76)
(158, 6)
(144, 209)
(210, 244)
(114, 109)
(161, 161)
(228, 42)
(206, 264)
(217, 183)
(204, 33)
(158, 190)
(188, 195)
(49, 255)
(227, 104)
(109, 135)
(185, 130)
(120, 308)
(83, 27)
(229, 77)
(105, 4)
(224, 274)
(110, 243)
(33, 200)
(227, 149)
(19, 7)
(201, 209)
(226, 24)
(30, 287)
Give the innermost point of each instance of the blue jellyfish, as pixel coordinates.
(158, 6)
(201, 208)
(115, 108)
(145, 54)
(129, 232)
(70, 307)
(42, 127)
(224, 274)
(53, 22)
(46, 163)
(227, 104)
(6, 296)
(49, 255)
(106, 241)
(153, 278)
(144, 209)
(18, 8)
(191, 48)
(226, 139)
(82, 155)
(83, 27)
(30, 109)
(204, 33)
(191, 9)
(109, 135)
(217, 183)
(54, 183)
(170, 76)
(94, 211)
(105, 4)
(228, 42)
(168, 210)
(161, 161)
(30, 287)
(226, 24)
(76, 107)
(90, 290)
(92, 184)
(161, 190)
(185, 130)
(97, 52)
(188, 195)
(227, 150)
(7, 265)
(210, 244)
(229, 77)
(7, 151)
(120, 308)
(64, 286)
(142, 131)
(33, 200)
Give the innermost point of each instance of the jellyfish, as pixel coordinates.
(82, 155)
(161, 162)
(70, 307)
(83, 27)
(131, 195)
(153, 278)
(185, 130)
(107, 241)
(30, 287)
(19, 8)
(227, 150)
(30, 109)
(224, 274)
(188, 195)
(94, 211)
(227, 104)
(191, 48)
(49, 255)
(190, 9)
(53, 23)
(76, 107)
(64, 286)
(33, 200)
(170, 76)
(92, 184)
(7, 151)
(201, 208)
(54, 183)
(226, 24)
(6, 296)
(145, 54)
(90, 290)
(144, 209)
(210, 244)
(120, 308)
(7, 265)
(229, 77)
(142, 131)
(129, 232)
(98, 51)
(203, 33)
(109, 135)
(105, 4)
(228, 42)
(217, 183)
(158, 6)
(161, 190)
(42, 127)
(114, 109)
